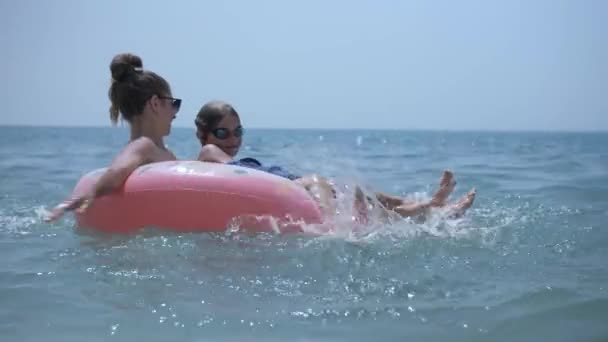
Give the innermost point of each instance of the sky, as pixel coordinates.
(332, 64)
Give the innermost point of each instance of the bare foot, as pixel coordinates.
(446, 187)
(465, 202)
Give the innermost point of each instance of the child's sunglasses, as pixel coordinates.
(224, 133)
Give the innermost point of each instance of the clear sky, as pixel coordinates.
(462, 65)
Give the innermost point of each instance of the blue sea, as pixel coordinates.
(528, 262)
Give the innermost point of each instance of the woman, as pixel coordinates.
(144, 100)
(220, 132)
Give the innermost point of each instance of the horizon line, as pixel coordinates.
(124, 126)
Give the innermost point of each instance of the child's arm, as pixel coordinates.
(212, 153)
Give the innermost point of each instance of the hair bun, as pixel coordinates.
(123, 65)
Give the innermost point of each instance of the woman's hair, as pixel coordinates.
(210, 115)
(132, 86)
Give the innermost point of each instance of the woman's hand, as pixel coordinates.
(79, 204)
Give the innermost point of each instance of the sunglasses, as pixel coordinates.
(175, 103)
(224, 133)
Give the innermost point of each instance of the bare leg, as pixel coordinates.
(446, 186)
(455, 209)
(389, 201)
(413, 209)
(465, 202)
(321, 191)
(325, 194)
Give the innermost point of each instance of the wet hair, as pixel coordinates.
(210, 115)
(132, 86)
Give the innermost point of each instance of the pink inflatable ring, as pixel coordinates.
(190, 196)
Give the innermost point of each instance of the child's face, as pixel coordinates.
(227, 135)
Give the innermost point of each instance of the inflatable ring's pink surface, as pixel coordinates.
(188, 196)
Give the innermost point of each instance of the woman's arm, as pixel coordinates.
(135, 154)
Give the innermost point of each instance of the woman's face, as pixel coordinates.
(227, 135)
(167, 108)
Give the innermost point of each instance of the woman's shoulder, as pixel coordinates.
(146, 147)
(143, 145)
